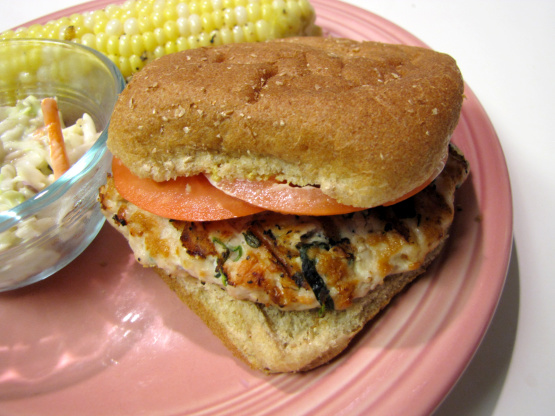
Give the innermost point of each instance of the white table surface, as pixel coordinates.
(506, 54)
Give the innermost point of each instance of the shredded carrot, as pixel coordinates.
(58, 154)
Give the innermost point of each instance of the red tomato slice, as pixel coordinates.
(438, 170)
(411, 193)
(184, 198)
(279, 197)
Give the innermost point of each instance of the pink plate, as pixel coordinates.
(104, 336)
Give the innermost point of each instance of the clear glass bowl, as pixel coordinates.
(82, 80)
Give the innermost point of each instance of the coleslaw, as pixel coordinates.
(25, 164)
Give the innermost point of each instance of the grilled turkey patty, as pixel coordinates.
(296, 262)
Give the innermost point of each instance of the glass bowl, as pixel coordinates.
(57, 224)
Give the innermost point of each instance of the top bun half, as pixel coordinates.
(367, 122)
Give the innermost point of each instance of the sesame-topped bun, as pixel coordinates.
(366, 122)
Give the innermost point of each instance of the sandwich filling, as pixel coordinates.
(296, 262)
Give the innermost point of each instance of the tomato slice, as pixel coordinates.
(199, 198)
(411, 193)
(439, 168)
(185, 198)
(280, 197)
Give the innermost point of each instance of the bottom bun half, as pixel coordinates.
(275, 341)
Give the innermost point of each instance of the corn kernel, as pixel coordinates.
(171, 30)
(204, 39)
(249, 31)
(229, 18)
(241, 15)
(62, 22)
(238, 34)
(112, 45)
(125, 46)
(99, 14)
(114, 27)
(194, 8)
(158, 7)
(262, 28)
(181, 43)
(100, 25)
(114, 59)
(136, 63)
(195, 24)
(78, 23)
(226, 35)
(159, 51)
(160, 36)
(207, 24)
(170, 47)
(193, 42)
(88, 39)
(254, 11)
(145, 10)
(276, 9)
(124, 66)
(215, 38)
(131, 26)
(157, 19)
(183, 26)
(182, 10)
(294, 10)
(113, 11)
(88, 21)
(218, 19)
(170, 13)
(145, 24)
(207, 6)
(137, 44)
(129, 10)
(102, 42)
(150, 41)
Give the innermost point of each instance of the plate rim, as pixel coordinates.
(501, 267)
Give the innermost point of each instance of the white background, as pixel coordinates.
(506, 52)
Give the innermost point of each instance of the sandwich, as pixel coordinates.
(287, 191)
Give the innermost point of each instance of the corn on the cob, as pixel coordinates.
(137, 31)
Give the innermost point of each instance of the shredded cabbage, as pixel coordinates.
(25, 160)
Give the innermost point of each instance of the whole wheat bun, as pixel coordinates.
(367, 122)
